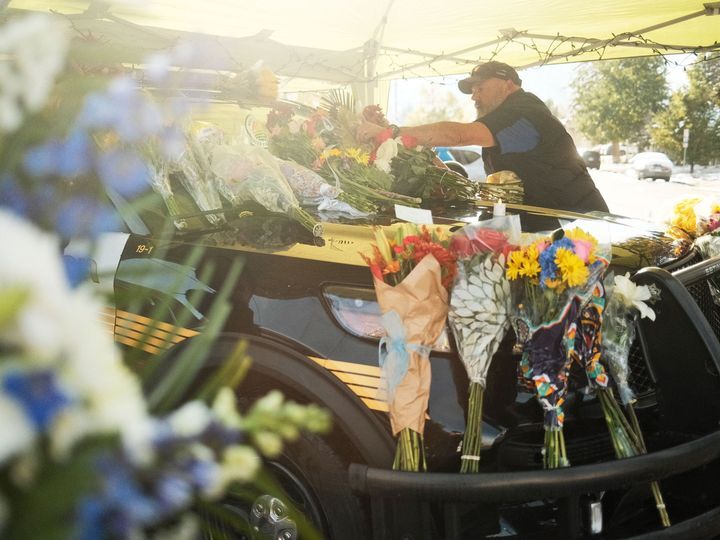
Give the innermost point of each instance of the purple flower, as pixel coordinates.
(38, 394)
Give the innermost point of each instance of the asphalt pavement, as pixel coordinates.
(653, 200)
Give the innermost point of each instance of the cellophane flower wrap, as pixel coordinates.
(548, 279)
(479, 313)
(412, 271)
(618, 332)
(250, 173)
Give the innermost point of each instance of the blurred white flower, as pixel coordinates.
(240, 463)
(270, 444)
(191, 419)
(385, 153)
(225, 407)
(17, 433)
(60, 327)
(36, 46)
(633, 296)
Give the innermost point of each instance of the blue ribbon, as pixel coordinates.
(394, 352)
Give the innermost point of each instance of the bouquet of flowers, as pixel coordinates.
(250, 173)
(549, 279)
(412, 272)
(414, 168)
(693, 217)
(479, 312)
(618, 333)
(323, 143)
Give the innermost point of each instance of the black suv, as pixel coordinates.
(307, 310)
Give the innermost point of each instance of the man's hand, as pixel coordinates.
(367, 131)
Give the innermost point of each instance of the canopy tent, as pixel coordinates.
(363, 42)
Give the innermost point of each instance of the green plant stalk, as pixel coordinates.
(472, 440)
(555, 452)
(410, 452)
(655, 486)
(628, 441)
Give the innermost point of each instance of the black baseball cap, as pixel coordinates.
(489, 70)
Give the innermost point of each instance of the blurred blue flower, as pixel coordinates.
(125, 171)
(90, 519)
(77, 154)
(38, 394)
(77, 269)
(174, 492)
(85, 216)
(12, 195)
(43, 160)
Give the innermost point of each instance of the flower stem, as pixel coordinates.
(472, 440)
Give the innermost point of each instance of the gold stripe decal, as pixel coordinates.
(361, 379)
(145, 333)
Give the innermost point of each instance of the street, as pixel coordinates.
(653, 200)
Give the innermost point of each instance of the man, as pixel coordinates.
(518, 133)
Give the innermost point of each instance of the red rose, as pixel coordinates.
(460, 245)
(489, 240)
(383, 136)
(409, 141)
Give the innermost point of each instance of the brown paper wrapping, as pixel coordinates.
(422, 304)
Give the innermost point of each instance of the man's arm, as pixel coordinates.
(439, 133)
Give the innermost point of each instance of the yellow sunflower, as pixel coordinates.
(572, 269)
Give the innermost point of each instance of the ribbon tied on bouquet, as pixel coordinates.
(394, 352)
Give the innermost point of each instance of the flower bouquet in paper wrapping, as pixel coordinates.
(547, 277)
(412, 272)
(479, 312)
(618, 332)
(250, 173)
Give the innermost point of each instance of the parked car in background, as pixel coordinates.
(651, 165)
(469, 159)
(591, 159)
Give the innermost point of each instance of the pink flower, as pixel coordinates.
(582, 249)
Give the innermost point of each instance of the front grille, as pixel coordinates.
(640, 380)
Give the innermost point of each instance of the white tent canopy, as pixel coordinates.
(362, 42)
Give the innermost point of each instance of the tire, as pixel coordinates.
(311, 473)
(313, 482)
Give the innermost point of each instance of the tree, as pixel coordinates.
(697, 109)
(616, 99)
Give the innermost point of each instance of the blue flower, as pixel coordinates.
(174, 492)
(77, 269)
(12, 195)
(124, 171)
(90, 519)
(38, 394)
(548, 268)
(43, 160)
(85, 216)
(76, 156)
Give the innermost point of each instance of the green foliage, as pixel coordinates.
(615, 100)
(696, 108)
